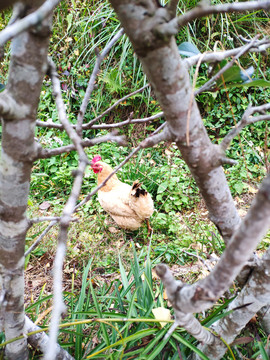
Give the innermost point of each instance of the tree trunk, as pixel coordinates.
(18, 108)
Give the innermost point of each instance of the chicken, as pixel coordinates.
(129, 206)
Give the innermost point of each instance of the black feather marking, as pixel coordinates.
(137, 190)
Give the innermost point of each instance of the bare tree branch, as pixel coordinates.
(58, 303)
(238, 314)
(41, 236)
(155, 139)
(113, 136)
(102, 126)
(89, 125)
(247, 119)
(30, 20)
(93, 76)
(41, 341)
(200, 296)
(204, 9)
(43, 219)
(217, 56)
(192, 326)
(62, 113)
(243, 50)
(171, 83)
(26, 71)
(127, 122)
(172, 7)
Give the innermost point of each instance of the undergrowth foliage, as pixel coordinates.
(110, 313)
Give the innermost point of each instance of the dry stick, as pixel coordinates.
(139, 147)
(53, 221)
(92, 79)
(247, 119)
(226, 67)
(204, 10)
(58, 303)
(32, 19)
(89, 125)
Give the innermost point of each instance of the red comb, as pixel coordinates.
(96, 158)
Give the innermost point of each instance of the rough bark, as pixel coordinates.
(144, 22)
(41, 340)
(27, 68)
(255, 295)
(170, 81)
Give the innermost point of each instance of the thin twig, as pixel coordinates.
(62, 112)
(200, 258)
(49, 124)
(41, 236)
(58, 303)
(226, 67)
(217, 56)
(89, 125)
(172, 27)
(127, 122)
(247, 119)
(43, 219)
(92, 79)
(113, 136)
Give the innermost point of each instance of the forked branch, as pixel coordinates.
(202, 295)
(217, 56)
(30, 20)
(204, 9)
(247, 119)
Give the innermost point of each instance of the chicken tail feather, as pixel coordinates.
(137, 191)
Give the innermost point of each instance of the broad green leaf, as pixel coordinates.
(232, 74)
(188, 49)
(162, 187)
(253, 83)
